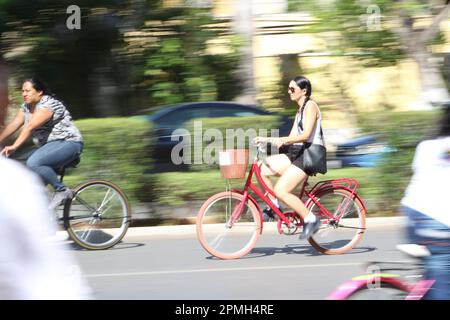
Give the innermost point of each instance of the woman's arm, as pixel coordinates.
(17, 122)
(40, 117)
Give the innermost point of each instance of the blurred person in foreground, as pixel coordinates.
(45, 119)
(31, 266)
(427, 205)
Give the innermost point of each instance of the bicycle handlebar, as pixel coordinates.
(260, 148)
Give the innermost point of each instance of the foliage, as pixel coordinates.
(356, 28)
(103, 69)
(178, 66)
(116, 149)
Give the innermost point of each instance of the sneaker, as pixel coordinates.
(59, 198)
(309, 229)
(268, 214)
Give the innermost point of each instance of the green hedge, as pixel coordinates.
(402, 131)
(232, 133)
(203, 180)
(119, 150)
(179, 188)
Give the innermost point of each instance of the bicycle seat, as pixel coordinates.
(72, 164)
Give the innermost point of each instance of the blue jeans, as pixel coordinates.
(436, 237)
(51, 156)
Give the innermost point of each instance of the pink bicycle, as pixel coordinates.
(378, 284)
(229, 223)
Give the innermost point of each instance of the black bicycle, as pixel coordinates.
(98, 214)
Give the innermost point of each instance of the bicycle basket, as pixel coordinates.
(233, 163)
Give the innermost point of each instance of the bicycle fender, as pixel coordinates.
(339, 188)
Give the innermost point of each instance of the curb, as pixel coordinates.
(190, 229)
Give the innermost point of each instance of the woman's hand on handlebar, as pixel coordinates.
(260, 140)
(7, 151)
(278, 142)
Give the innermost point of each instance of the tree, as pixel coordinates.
(128, 55)
(178, 66)
(37, 41)
(384, 32)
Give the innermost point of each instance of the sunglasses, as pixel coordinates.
(292, 89)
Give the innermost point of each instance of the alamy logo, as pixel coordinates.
(373, 282)
(74, 20)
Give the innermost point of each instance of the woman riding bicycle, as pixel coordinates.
(288, 164)
(49, 123)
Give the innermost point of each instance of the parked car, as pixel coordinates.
(170, 118)
(364, 151)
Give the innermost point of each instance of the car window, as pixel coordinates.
(179, 117)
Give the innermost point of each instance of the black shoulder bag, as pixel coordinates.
(314, 155)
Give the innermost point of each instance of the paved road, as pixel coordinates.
(169, 263)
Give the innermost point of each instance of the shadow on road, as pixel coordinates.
(306, 250)
(119, 246)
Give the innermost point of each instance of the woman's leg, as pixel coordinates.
(283, 189)
(275, 165)
(53, 155)
(291, 178)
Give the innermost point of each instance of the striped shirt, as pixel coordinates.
(59, 127)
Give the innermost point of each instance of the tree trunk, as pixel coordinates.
(433, 89)
(244, 27)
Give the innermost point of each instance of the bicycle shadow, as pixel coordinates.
(101, 237)
(301, 249)
(119, 246)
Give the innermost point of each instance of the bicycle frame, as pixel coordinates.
(347, 184)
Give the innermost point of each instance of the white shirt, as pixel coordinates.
(316, 137)
(32, 267)
(429, 189)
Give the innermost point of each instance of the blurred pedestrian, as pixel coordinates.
(427, 205)
(306, 132)
(49, 123)
(32, 266)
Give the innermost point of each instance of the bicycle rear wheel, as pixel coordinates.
(98, 215)
(221, 238)
(336, 237)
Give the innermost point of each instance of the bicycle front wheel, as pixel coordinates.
(98, 215)
(340, 233)
(223, 231)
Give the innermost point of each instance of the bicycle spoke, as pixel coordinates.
(340, 233)
(104, 202)
(217, 241)
(225, 233)
(84, 203)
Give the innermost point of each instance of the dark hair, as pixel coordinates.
(444, 127)
(39, 85)
(304, 83)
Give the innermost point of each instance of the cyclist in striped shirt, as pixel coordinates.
(46, 120)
